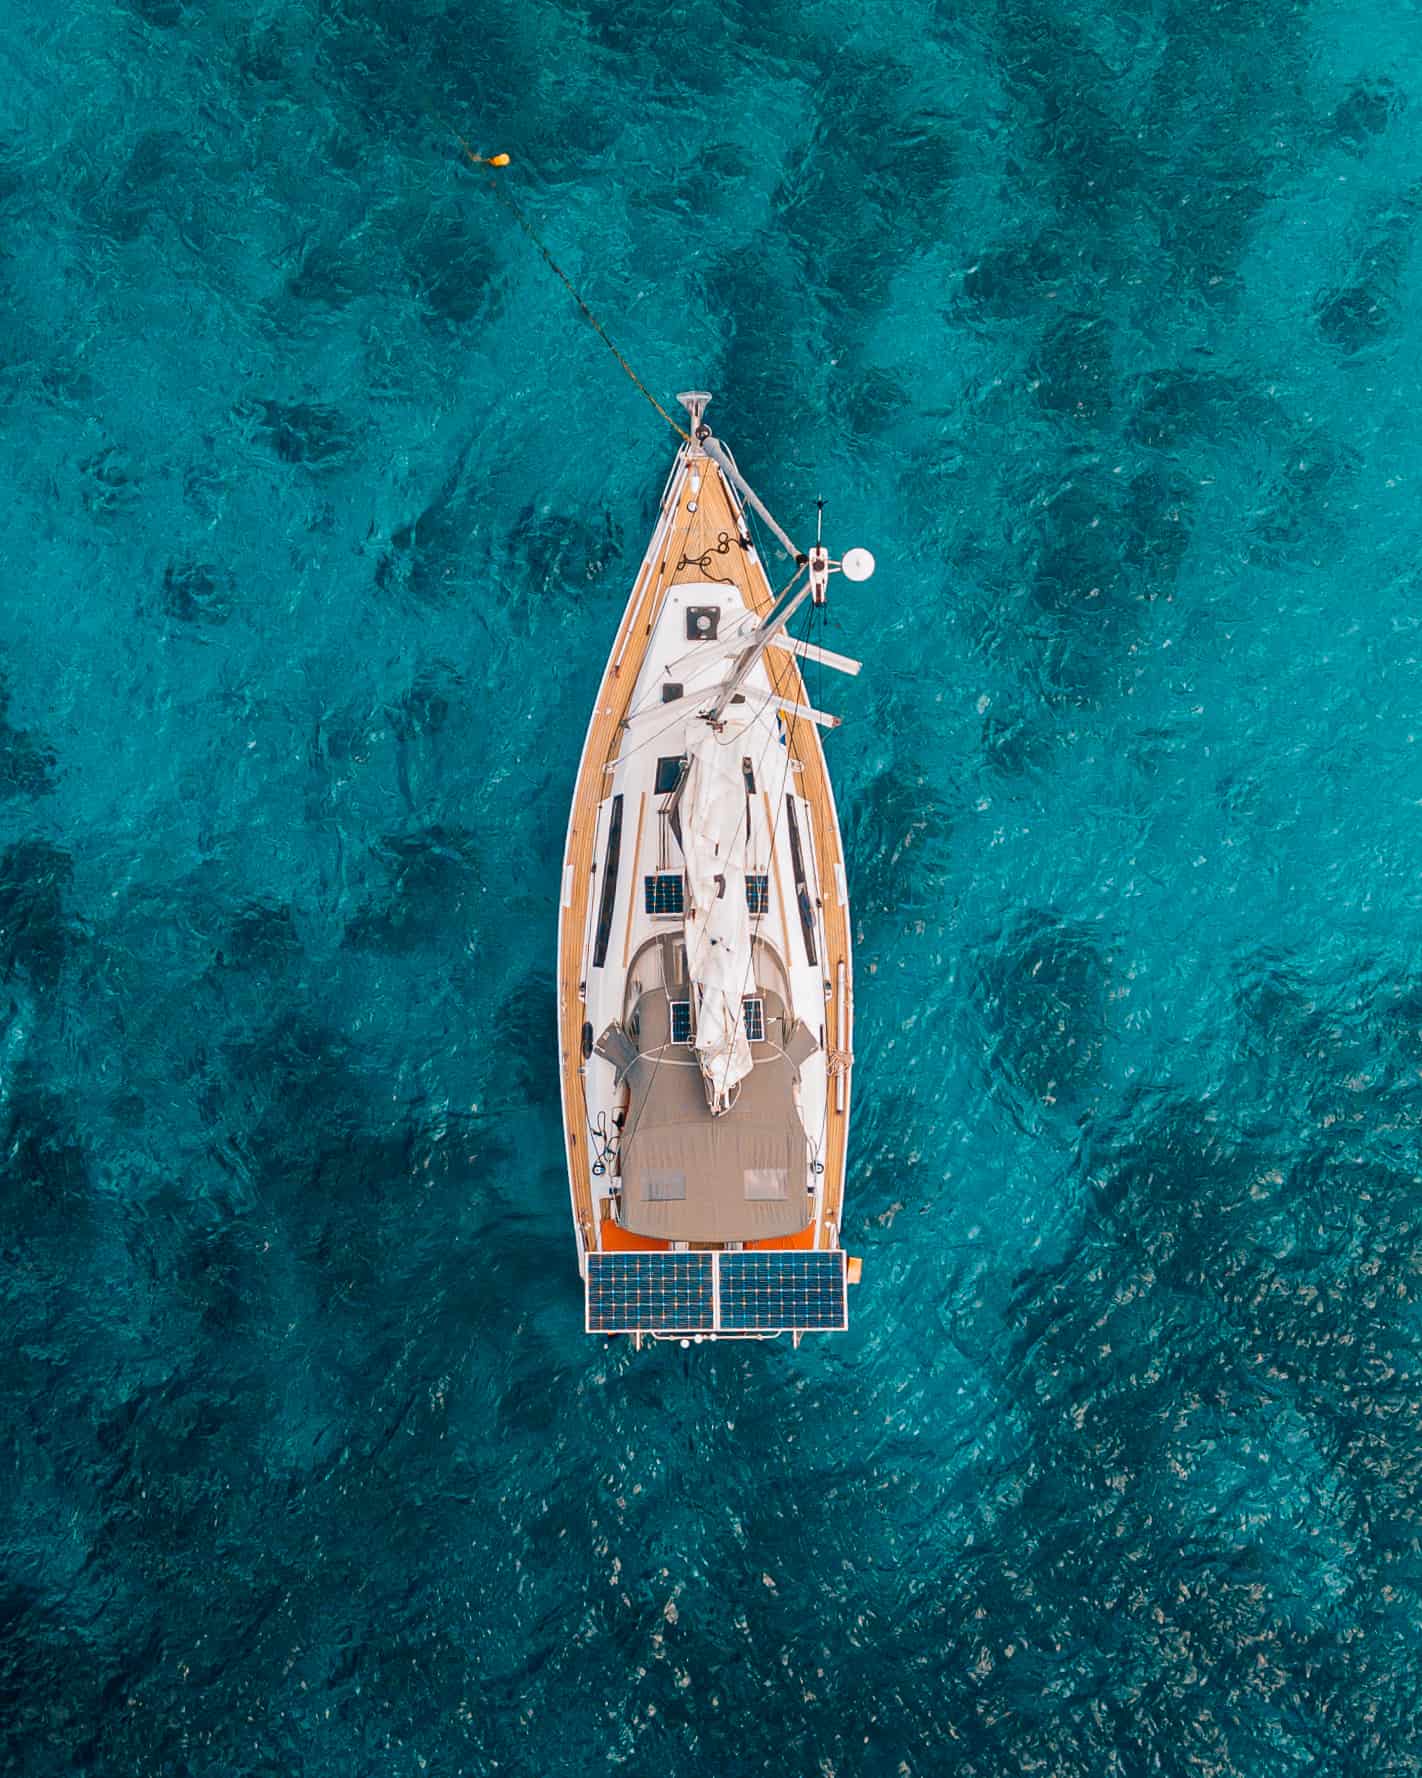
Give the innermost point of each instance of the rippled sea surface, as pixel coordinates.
(1100, 325)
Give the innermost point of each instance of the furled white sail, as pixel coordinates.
(718, 929)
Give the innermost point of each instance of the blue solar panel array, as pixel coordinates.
(678, 1293)
(681, 1030)
(753, 1017)
(665, 893)
(770, 1292)
(643, 1292)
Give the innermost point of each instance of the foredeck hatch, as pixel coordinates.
(730, 1292)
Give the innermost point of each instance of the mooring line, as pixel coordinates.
(493, 161)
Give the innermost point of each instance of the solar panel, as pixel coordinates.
(646, 1292)
(774, 1292)
(665, 893)
(753, 1016)
(681, 1021)
(723, 1292)
(758, 893)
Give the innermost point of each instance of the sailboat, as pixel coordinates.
(705, 980)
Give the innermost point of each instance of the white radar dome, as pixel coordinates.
(857, 564)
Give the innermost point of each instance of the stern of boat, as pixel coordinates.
(692, 1296)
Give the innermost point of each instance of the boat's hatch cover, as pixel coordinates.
(716, 1292)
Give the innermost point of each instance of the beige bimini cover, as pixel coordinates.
(718, 928)
(687, 1176)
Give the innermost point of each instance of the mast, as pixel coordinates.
(817, 565)
(775, 620)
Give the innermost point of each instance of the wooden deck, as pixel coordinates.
(692, 550)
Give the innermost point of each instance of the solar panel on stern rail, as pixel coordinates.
(649, 1292)
(780, 1292)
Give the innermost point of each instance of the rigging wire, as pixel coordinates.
(682, 717)
(496, 186)
(604, 1144)
(602, 1150)
(678, 719)
(819, 614)
(748, 978)
(816, 617)
(606, 1150)
(774, 825)
(637, 1109)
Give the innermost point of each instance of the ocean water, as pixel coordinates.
(1100, 326)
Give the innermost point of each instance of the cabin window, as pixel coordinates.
(669, 774)
(753, 1016)
(802, 886)
(609, 884)
(681, 1021)
(758, 894)
(665, 893)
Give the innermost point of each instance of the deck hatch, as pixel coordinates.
(753, 1292)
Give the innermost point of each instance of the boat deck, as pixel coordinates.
(691, 546)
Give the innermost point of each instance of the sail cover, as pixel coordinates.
(718, 928)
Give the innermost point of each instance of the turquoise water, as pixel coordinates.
(1100, 326)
